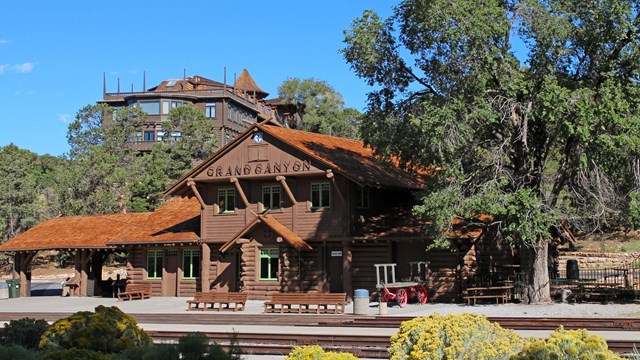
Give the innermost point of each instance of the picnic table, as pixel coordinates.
(500, 293)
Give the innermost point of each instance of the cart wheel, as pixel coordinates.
(401, 297)
(422, 294)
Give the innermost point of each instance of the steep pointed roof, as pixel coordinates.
(245, 82)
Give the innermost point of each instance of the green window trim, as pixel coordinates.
(190, 264)
(271, 197)
(154, 264)
(227, 200)
(269, 264)
(320, 195)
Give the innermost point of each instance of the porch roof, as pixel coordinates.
(273, 223)
(176, 221)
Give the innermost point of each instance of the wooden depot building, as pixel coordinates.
(275, 210)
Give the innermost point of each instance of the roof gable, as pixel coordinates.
(260, 155)
(316, 152)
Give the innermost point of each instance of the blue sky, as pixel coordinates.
(53, 54)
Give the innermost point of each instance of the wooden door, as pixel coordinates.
(334, 269)
(170, 275)
(227, 273)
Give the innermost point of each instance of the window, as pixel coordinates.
(229, 108)
(362, 197)
(175, 104)
(191, 264)
(227, 200)
(176, 135)
(161, 135)
(154, 264)
(269, 264)
(210, 110)
(149, 136)
(165, 107)
(151, 107)
(320, 195)
(271, 197)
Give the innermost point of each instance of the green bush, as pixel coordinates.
(465, 336)
(567, 345)
(315, 352)
(25, 332)
(16, 352)
(108, 330)
(74, 354)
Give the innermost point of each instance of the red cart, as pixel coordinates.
(402, 291)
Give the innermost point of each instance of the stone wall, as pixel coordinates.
(597, 260)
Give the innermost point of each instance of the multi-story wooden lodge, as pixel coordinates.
(231, 108)
(277, 210)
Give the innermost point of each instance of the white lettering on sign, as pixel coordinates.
(336, 253)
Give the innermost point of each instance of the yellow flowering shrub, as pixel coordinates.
(567, 345)
(465, 336)
(315, 352)
(107, 330)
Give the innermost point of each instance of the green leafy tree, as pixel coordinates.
(23, 200)
(97, 175)
(321, 108)
(534, 140)
(25, 332)
(196, 140)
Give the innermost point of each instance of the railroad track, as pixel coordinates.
(213, 318)
(369, 346)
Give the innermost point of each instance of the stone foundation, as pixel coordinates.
(598, 260)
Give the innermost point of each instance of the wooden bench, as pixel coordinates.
(321, 303)
(224, 300)
(500, 293)
(134, 291)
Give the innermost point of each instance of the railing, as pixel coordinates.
(250, 102)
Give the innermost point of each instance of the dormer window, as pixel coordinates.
(320, 195)
(271, 197)
(362, 197)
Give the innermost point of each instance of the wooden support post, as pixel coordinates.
(283, 182)
(347, 261)
(22, 272)
(192, 184)
(331, 177)
(85, 257)
(205, 264)
(236, 183)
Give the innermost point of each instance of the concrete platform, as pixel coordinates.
(178, 305)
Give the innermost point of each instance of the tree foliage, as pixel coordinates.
(321, 108)
(534, 136)
(26, 193)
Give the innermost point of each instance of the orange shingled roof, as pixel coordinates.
(349, 157)
(286, 234)
(176, 221)
(245, 82)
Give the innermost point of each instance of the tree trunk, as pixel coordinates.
(536, 272)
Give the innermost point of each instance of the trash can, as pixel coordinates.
(4, 291)
(573, 271)
(14, 288)
(360, 302)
